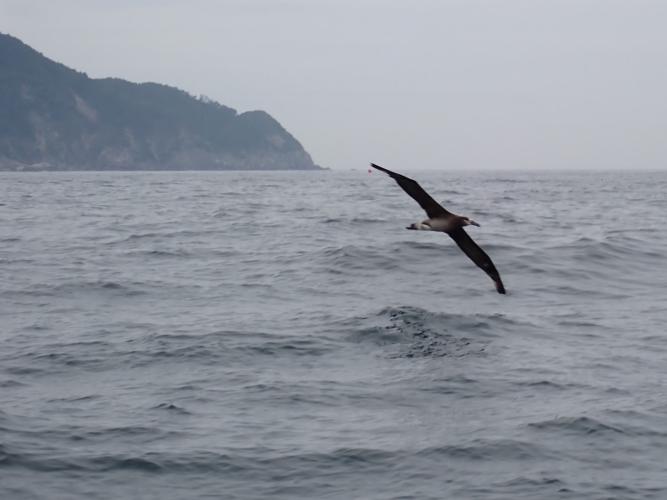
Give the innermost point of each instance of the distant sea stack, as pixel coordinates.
(55, 118)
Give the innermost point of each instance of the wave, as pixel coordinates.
(10, 384)
(172, 408)
(212, 349)
(406, 255)
(353, 220)
(102, 287)
(220, 347)
(353, 258)
(161, 253)
(279, 463)
(608, 248)
(421, 333)
(185, 234)
(550, 385)
(127, 289)
(578, 290)
(576, 425)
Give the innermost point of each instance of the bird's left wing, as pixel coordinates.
(477, 255)
(430, 206)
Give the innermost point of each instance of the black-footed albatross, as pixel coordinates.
(441, 220)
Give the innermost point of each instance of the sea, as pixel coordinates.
(280, 335)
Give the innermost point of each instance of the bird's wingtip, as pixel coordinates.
(378, 167)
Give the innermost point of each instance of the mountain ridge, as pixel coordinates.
(53, 117)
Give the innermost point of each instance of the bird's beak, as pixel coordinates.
(411, 227)
(474, 223)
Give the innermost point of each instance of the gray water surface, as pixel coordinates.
(281, 335)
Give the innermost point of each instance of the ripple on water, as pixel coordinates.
(415, 332)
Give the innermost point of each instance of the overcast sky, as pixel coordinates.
(442, 84)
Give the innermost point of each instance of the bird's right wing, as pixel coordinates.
(432, 207)
(477, 255)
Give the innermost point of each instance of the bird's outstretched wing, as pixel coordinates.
(432, 207)
(477, 255)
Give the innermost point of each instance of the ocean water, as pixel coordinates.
(281, 335)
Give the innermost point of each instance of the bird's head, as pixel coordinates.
(467, 221)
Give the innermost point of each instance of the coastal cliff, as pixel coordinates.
(55, 118)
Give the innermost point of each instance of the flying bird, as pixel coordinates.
(444, 221)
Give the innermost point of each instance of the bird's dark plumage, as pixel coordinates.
(431, 207)
(453, 224)
(477, 255)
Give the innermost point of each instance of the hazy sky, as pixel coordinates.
(444, 84)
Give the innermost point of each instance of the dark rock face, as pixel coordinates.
(55, 118)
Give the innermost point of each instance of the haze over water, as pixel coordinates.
(281, 335)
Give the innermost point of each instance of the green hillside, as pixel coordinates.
(56, 118)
